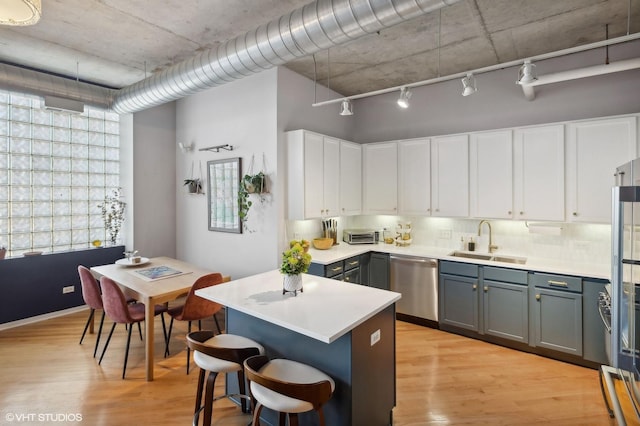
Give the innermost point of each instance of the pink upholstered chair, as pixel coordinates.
(116, 308)
(93, 298)
(195, 308)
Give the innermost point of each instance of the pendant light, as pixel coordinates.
(20, 12)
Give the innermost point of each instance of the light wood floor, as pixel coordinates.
(442, 379)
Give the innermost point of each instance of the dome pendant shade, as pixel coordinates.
(20, 12)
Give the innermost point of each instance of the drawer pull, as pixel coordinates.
(354, 263)
(337, 269)
(558, 283)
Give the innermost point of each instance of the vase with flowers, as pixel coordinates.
(295, 261)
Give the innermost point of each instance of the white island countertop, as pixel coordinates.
(325, 311)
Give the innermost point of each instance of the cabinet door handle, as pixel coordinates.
(486, 288)
(575, 213)
(558, 283)
(537, 297)
(355, 262)
(346, 279)
(475, 286)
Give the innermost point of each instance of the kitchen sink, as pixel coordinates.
(469, 255)
(490, 257)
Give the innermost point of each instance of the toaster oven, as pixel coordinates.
(360, 236)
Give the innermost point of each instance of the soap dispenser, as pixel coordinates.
(472, 245)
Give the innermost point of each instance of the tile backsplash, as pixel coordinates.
(588, 243)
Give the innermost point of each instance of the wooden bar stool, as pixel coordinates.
(288, 387)
(224, 353)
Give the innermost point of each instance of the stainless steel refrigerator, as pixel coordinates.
(623, 297)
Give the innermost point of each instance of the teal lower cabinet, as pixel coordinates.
(557, 318)
(458, 296)
(547, 314)
(505, 304)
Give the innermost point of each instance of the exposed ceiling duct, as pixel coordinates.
(305, 31)
(42, 84)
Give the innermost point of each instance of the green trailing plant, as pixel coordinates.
(112, 210)
(250, 184)
(244, 204)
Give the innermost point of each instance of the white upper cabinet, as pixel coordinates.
(313, 180)
(539, 173)
(380, 178)
(350, 178)
(414, 177)
(450, 176)
(491, 174)
(594, 149)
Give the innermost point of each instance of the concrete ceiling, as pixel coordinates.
(113, 42)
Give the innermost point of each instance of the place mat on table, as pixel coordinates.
(155, 273)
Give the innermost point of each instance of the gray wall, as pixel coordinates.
(440, 108)
(154, 180)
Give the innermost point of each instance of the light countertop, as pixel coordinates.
(325, 311)
(555, 266)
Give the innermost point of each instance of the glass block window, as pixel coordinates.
(55, 170)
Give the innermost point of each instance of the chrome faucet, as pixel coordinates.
(492, 247)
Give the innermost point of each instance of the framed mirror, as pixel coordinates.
(223, 178)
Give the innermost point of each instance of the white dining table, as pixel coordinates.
(152, 292)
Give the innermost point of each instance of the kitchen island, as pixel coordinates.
(345, 330)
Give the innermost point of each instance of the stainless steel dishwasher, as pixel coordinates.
(416, 278)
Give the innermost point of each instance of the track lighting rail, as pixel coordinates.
(519, 62)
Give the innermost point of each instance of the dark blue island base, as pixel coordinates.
(364, 373)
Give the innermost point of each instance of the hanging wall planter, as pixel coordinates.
(255, 184)
(194, 186)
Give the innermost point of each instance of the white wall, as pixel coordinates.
(440, 109)
(242, 114)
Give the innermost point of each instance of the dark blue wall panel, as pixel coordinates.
(31, 286)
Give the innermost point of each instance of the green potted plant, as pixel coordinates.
(193, 185)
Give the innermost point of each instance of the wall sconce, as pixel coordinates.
(185, 148)
(217, 148)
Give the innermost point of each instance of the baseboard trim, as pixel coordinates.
(43, 317)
